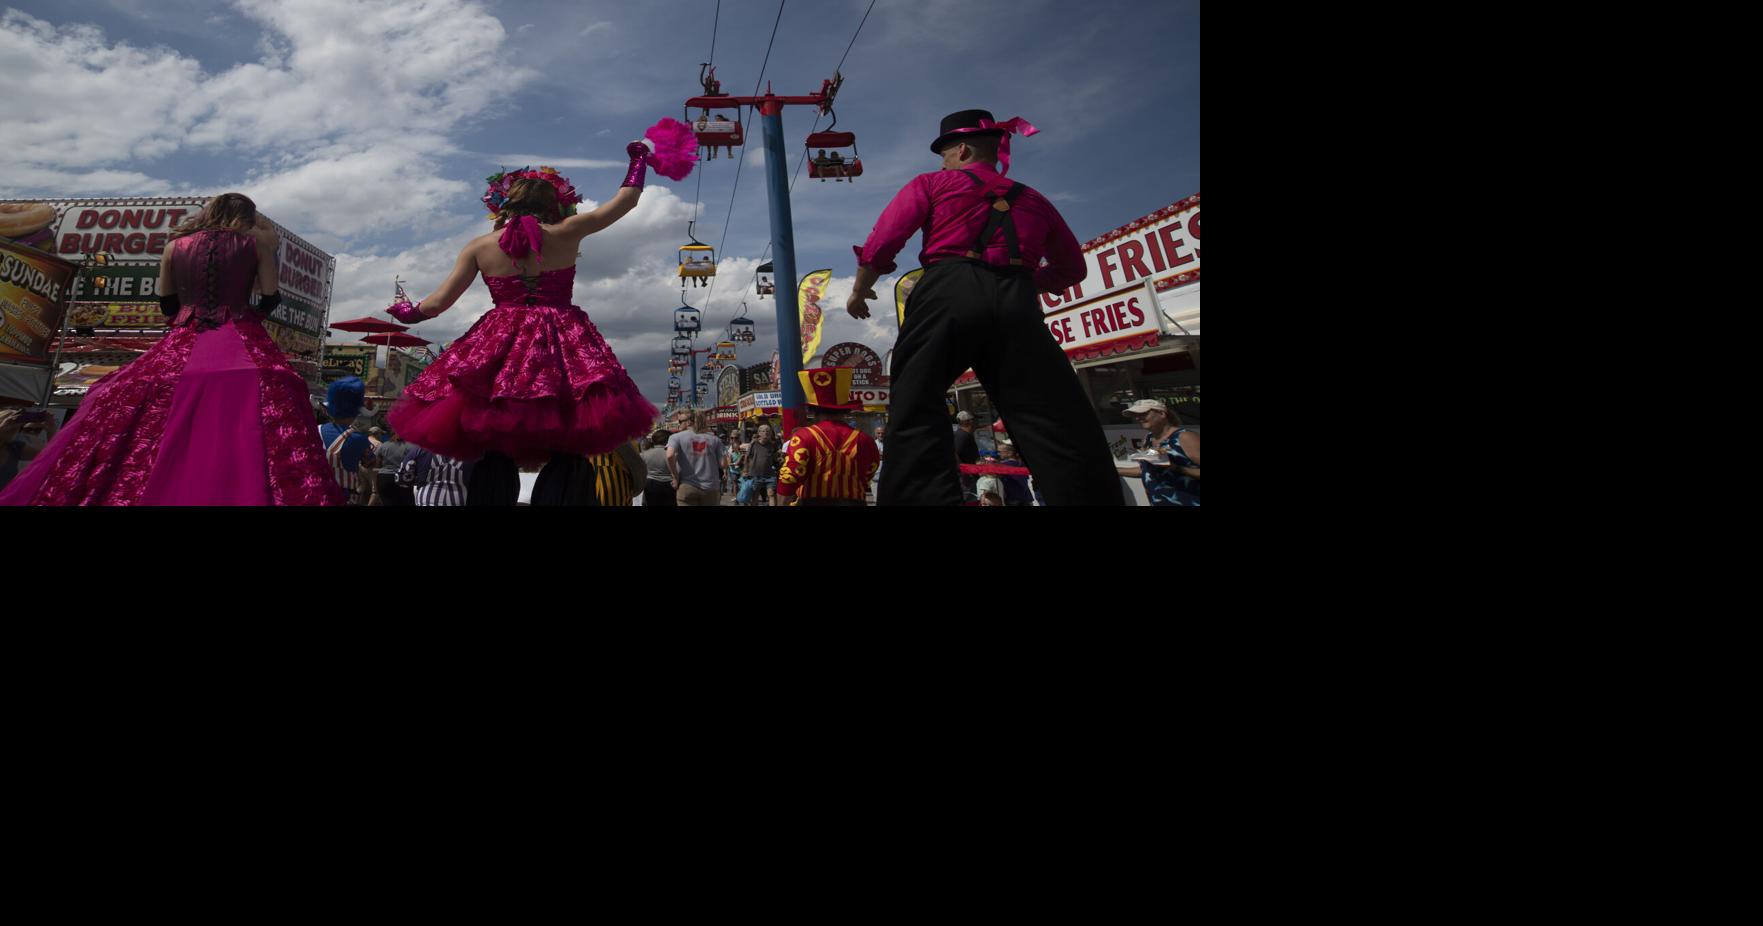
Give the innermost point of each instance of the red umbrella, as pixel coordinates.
(369, 325)
(395, 340)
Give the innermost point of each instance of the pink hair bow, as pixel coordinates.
(522, 236)
(1016, 126)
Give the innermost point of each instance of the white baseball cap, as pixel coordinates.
(965, 416)
(1146, 405)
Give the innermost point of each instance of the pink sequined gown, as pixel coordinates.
(531, 378)
(211, 415)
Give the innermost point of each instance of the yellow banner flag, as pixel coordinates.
(903, 290)
(808, 301)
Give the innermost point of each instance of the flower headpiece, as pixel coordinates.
(497, 193)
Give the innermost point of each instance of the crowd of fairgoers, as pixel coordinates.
(680, 466)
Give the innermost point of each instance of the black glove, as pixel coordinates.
(268, 303)
(169, 305)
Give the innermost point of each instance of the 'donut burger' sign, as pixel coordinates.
(136, 233)
(126, 232)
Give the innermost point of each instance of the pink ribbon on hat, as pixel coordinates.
(1016, 126)
(521, 237)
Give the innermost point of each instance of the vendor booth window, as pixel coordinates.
(1170, 377)
(978, 403)
(1111, 390)
(1174, 379)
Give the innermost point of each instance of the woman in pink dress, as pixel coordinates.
(212, 414)
(532, 381)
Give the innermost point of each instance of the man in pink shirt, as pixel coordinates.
(985, 237)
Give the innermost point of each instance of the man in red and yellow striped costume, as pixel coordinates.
(828, 463)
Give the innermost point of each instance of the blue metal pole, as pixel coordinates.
(783, 250)
(694, 380)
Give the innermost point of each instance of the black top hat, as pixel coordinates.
(965, 119)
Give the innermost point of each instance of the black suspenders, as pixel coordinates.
(999, 218)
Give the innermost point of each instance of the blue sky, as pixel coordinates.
(367, 126)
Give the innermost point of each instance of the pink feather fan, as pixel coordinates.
(676, 148)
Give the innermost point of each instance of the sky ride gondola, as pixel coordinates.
(697, 262)
(714, 130)
(741, 329)
(828, 162)
(686, 321)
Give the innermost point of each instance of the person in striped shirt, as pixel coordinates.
(439, 482)
(618, 476)
(828, 463)
(346, 449)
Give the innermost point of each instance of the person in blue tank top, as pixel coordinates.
(1170, 465)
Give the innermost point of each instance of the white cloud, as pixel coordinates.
(345, 117)
(45, 182)
(516, 161)
(352, 193)
(364, 282)
(76, 101)
(360, 69)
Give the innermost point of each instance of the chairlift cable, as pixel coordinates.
(716, 22)
(748, 132)
(803, 159)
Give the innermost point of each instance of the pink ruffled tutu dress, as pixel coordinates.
(211, 415)
(532, 378)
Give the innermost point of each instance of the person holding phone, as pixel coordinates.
(23, 435)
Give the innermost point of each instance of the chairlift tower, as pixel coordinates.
(783, 235)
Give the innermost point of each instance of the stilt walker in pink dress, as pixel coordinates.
(532, 382)
(212, 414)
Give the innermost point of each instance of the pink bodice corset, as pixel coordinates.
(215, 272)
(550, 287)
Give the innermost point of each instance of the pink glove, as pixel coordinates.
(639, 169)
(407, 313)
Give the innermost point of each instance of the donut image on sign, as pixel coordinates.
(27, 223)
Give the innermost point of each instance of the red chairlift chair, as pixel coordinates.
(715, 130)
(825, 164)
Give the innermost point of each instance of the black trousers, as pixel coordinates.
(494, 483)
(566, 480)
(966, 314)
(659, 495)
(393, 495)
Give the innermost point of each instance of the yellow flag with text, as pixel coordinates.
(808, 297)
(903, 290)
